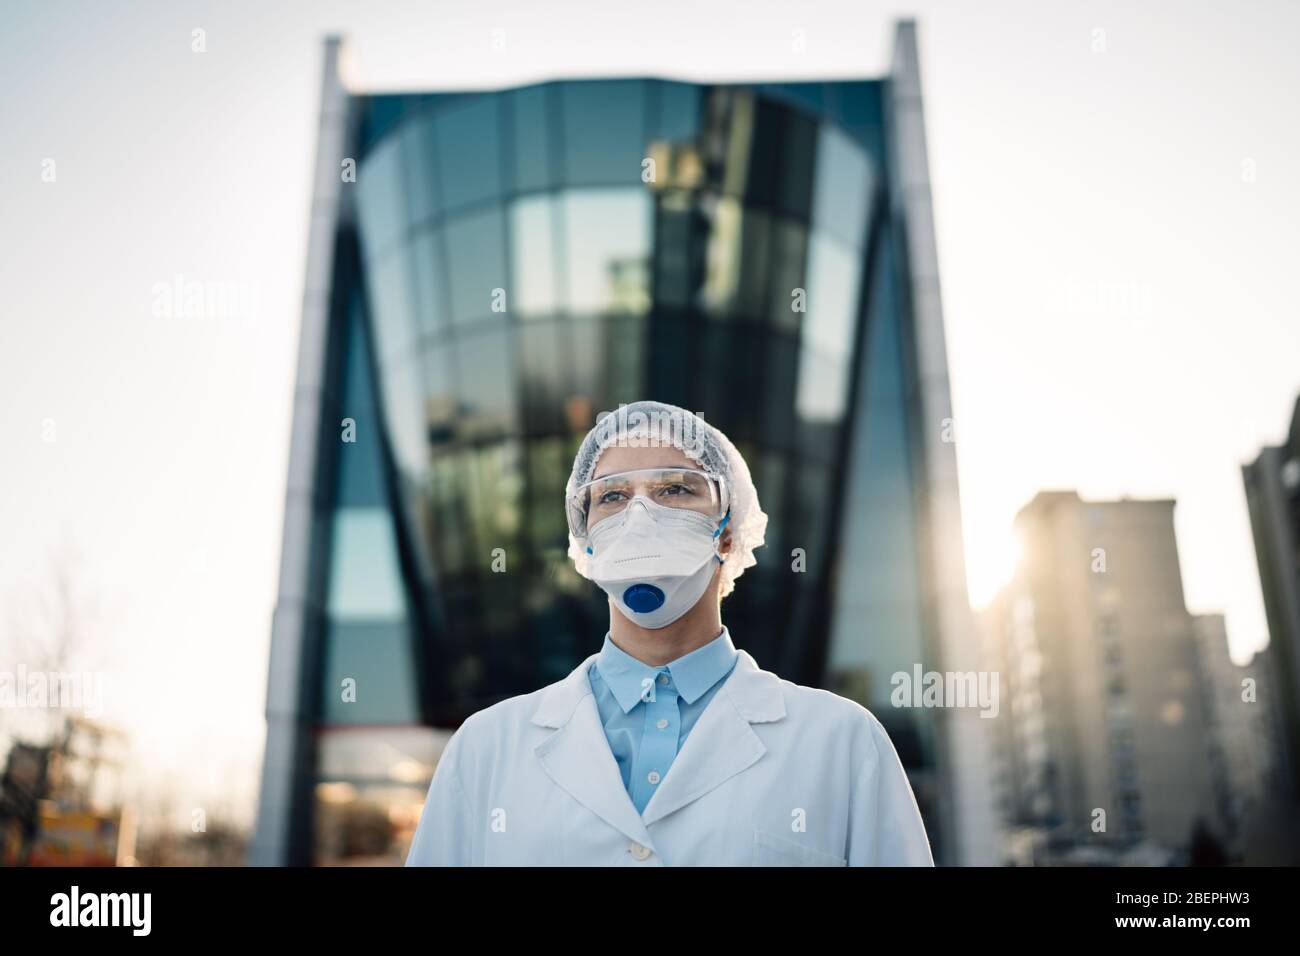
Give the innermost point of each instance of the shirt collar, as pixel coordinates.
(692, 674)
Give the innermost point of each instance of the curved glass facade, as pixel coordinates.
(536, 256)
(511, 264)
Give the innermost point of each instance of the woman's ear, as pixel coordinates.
(724, 545)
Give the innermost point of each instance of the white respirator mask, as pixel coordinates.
(655, 562)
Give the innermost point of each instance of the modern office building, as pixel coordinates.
(489, 271)
(1273, 497)
(1237, 705)
(1103, 703)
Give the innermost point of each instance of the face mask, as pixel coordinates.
(654, 561)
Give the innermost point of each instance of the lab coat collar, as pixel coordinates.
(722, 744)
(692, 673)
(755, 693)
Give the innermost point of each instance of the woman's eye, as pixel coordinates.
(610, 497)
(677, 490)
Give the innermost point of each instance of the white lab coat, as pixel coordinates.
(772, 774)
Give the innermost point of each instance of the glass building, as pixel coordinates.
(1272, 484)
(490, 271)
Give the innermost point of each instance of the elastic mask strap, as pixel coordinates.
(717, 535)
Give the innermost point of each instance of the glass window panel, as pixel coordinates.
(549, 462)
(399, 754)
(834, 274)
(781, 370)
(609, 359)
(495, 497)
(625, 358)
(358, 391)
(739, 247)
(604, 131)
(488, 383)
(469, 152)
(724, 358)
(381, 201)
(763, 169)
(402, 755)
(739, 107)
(769, 482)
(448, 523)
(885, 393)
(789, 251)
(389, 288)
(380, 114)
(810, 96)
(589, 368)
(794, 178)
(505, 624)
(811, 493)
(360, 472)
(878, 508)
(678, 114)
(439, 394)
(377, 656)
(365, 580)
(402, 391)
(663, 359)
(729, 362)
(823, 386)
(476, 263)
(531, 151)
(542, 362)
(722, 269)
(430, 285)
(843, 190)
(680, 259)
(361, 479)
(607, 253)
(885, 476)
(532, 257)
(859, 104)
(755, 258)
(419, 153)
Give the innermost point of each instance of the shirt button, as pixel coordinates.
(639, 852)
(663, 678)
(653, 776)
(662, 724)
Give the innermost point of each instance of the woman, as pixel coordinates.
(668, 747)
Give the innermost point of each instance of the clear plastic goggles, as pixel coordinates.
(686, 488)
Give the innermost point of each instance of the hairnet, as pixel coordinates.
(662, 424)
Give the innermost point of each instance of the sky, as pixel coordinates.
(1117, 217)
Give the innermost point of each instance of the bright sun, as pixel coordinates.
(990, 562)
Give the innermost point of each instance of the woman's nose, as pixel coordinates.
(638, 509)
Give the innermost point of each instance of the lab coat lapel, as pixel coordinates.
(722, 743)
(577, 756)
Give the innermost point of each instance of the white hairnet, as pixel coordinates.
(662, 424)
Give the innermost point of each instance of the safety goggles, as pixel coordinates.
(686, 488)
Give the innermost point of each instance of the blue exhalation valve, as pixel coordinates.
(643, 598)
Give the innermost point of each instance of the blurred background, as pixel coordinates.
(308, 308)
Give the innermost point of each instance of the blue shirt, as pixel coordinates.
(647, 711)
